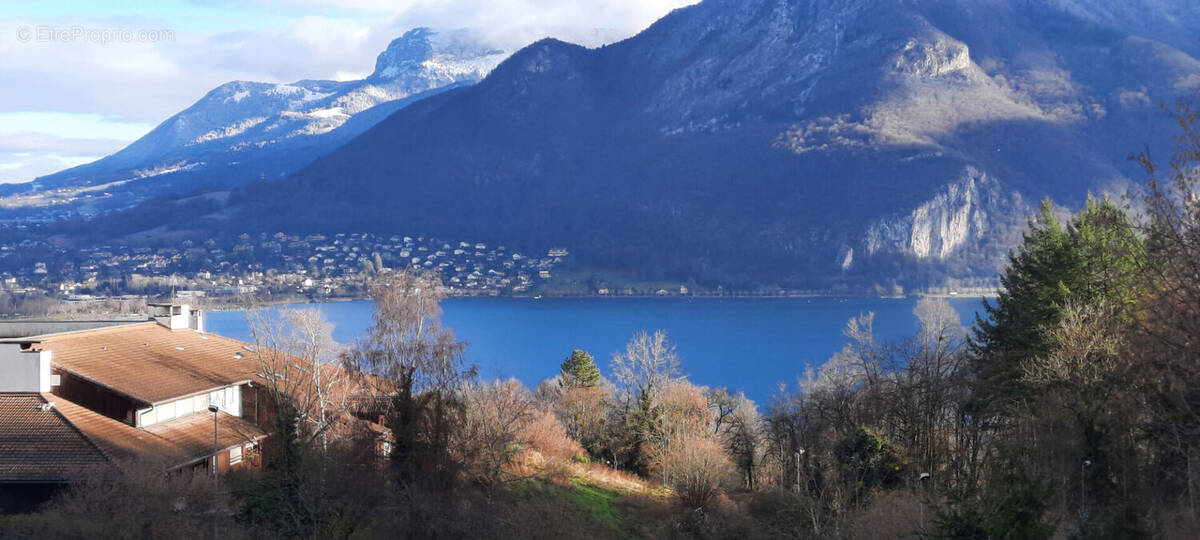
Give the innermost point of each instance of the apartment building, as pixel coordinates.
(159, 392)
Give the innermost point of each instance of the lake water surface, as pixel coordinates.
(747, 344)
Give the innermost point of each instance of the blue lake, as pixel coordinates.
(747, 344)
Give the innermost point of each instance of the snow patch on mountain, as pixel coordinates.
(166, 169)
(229, 131)
(244, 117)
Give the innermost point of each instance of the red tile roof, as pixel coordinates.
(170, 444)
(38, 444)
(119, 441)
(152, 363)
(193, 434)
(146, 362)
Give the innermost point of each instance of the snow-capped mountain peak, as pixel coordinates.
(242, 131)
(427, 54)
(405, 54)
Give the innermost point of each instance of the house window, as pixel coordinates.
(235, 455)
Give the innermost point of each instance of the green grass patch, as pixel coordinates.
(584, 508)
(599, 503)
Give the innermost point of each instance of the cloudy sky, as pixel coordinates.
(81, 79)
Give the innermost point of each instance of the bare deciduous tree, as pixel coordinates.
(584, 411)
(417, 375)
(648, 363)
(296, 356)
(406, 345)
(679, 411)
(493, 432)
(1087, 352)
(739, 426)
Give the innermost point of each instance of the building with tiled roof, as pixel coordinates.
(171, 444)
(150, 363)
(149, 373)
(40, 444)
(158, 393)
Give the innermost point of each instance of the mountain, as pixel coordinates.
(828, 144)
(803, 143)
(245, 131)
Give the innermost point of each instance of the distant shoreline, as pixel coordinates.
(295, 301)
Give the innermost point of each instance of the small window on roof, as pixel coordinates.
(179, 348)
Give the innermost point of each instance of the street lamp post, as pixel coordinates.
(922, 482)
(213, 409)
(1083, 467)
(215, 463)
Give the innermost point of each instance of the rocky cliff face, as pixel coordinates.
(962, 214)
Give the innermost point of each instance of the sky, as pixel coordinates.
(81, 79)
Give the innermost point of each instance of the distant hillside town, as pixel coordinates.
(311, 266)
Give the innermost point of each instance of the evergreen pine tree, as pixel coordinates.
(1096, 257)
(579, 371)
(1033, 290)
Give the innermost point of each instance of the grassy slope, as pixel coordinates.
(588, 501)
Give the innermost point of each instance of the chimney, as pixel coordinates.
(177, 316)
(23, 369)
(196, 320)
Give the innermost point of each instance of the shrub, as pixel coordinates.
(543, 432)
(136, 502)
(697, 468)
(504, 422)
(895, 514)
(491, 435)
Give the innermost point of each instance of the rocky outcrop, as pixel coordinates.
(962, 213)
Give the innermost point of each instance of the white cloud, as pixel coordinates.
(522, 17)
(22, 167)
(143, 82)
(69, 125)
(28, 154)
